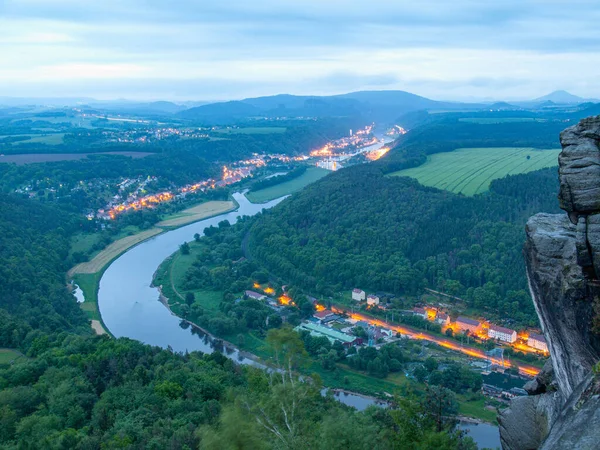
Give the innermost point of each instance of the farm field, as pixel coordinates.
(495, 120)
(197, 213)
(311, 175)
(469, 171)
(252, 130)
(32, 158)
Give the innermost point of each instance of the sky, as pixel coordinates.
(206, 50)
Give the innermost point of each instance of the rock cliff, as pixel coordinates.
(562, 254)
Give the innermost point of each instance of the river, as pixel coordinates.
(130, 306)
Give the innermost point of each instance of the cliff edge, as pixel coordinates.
(562, 254)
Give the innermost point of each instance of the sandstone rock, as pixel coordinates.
(562, 254)
(578, 425)
(519, 425)
(543, 381)
(579, 168)
(560, 296)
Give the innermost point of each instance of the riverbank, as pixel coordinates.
(87, 275)
(197, 213)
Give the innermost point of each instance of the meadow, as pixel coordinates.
(311, 175)
(469, 171)
(252, 130)
(495, 120)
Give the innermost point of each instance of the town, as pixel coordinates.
(133, 194)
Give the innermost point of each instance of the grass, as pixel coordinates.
(102, 259)
(311, 175)
(8, 356)
(253, 130)
(476, 408)
(469, 171)
(196, 213)
(495, 120)
(88, 283)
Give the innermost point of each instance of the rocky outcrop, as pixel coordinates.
(562, 254)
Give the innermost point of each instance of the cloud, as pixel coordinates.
(445, 49)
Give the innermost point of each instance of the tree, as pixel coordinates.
(431, 364)
(190, 298)
(197, 237)
(286, 347)
(185, 248)
(441, 406)
(420, 373)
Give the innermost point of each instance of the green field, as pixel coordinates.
(252, 130)
(495, 120)
(88, 283)
(8, 356)
(49, 139)
(470, 170)
(311, 175)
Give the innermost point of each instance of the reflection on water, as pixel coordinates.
(78, 293)
(484, 434)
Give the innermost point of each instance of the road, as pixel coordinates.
(446, 343)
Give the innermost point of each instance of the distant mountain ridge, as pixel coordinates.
(563, 97)
(380, 106)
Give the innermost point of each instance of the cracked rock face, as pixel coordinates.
(579, 168)
(562, 254)
(560, 295)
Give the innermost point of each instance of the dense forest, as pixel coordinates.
(358, 227)
(34, 244)
(72, 390)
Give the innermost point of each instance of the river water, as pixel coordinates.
(130, 306)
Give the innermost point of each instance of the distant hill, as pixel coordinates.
(502, 106)
(562, 97)
(380, 106)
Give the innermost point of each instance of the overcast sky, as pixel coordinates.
(227, 49)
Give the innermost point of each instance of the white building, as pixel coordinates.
(255, 295)
(421, 312)
(443, 319)
(538, 342)
(358, 295)
(372, 300)
(502, 334)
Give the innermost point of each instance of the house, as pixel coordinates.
(255, 295)
(331, 334)
(466, 324)
(538, 342)
(358, 295)
(443, 319)
(372, 300)
(502, 334)
(421, 312)
(323, 315)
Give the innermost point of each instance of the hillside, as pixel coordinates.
(380, 106)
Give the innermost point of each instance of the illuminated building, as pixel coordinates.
(538, 342)
(372, 300)
(443, 319)
(466, 324)
(255, 295)
(420, 312)
(502, 334)
(358, 295)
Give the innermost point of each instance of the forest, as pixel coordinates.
(358, 227)
(73, 390)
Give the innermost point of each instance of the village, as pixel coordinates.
(354, 329)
